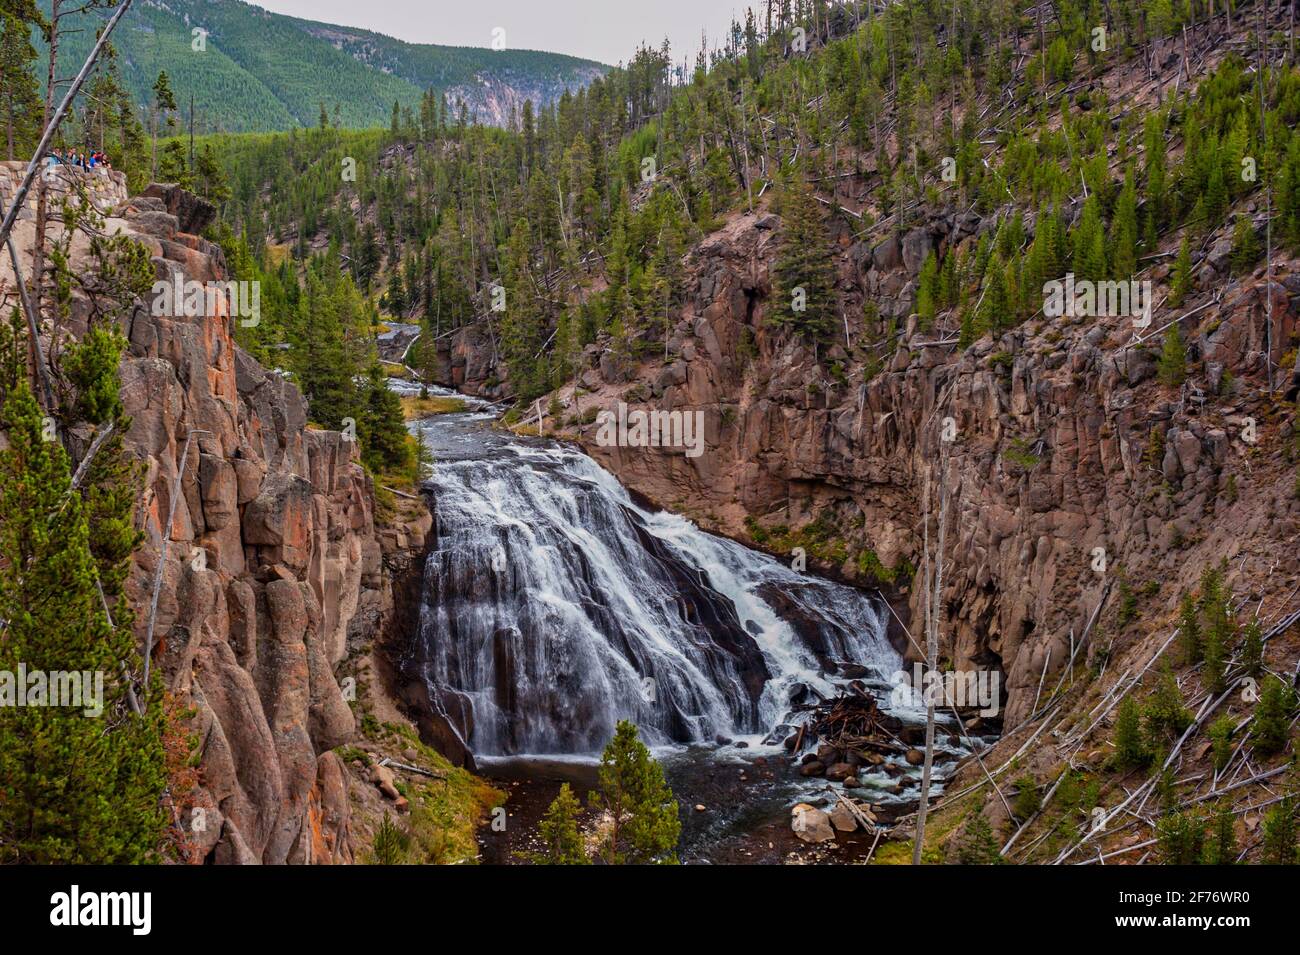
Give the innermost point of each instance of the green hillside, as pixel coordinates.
(261, 71)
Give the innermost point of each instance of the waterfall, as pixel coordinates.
(555, 605)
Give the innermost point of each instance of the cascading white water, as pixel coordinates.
(555, 605)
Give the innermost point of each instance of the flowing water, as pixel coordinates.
(555, 604)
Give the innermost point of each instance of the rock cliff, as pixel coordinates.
(274, 567)
(1062, 441)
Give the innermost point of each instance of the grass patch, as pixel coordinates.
(444, 813)
(1018, 453)
(818, 539)
(900, 853)
(413, 406)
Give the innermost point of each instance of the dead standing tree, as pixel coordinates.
(933, 587)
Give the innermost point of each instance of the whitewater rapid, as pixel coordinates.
(554, 605)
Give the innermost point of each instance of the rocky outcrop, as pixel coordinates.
(272, 559)
(466, 359)
(272, 551)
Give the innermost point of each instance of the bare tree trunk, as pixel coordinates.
(933, 610)
(42, 210)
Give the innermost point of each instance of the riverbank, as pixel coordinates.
(735, 809)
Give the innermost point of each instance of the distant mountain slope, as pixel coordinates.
(262, 71)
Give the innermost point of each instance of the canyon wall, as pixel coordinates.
(273, 559)
(1063, 441)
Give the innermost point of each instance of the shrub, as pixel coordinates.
(1028, 801)
(1165, 715)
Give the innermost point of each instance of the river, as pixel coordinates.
(555, 604)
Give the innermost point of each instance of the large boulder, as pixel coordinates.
(811, 825)
(193, 214)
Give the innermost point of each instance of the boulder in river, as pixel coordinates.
(915, 757)
(813, 768)
(842, 818)
(839, 771)
(812, 825)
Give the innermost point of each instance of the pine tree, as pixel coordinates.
(1130, 747)
(1172, 365)
(20, 103)
(1090, 243)
(385, 443)
(161, 108)
(1252, 648)
(174, 165)
(73, 788)
(1166, 716)
(321, 361)
(1124, 233)
(1181, 283)
(1216, 193)
(210, 176)
(644, 826)
(1280, 843)
(978, 845)
(1156, 168)
(1221, 731)
(391, 844)
(1221, 839)
(1216, 659)
(968, 333)
(523, 332)
(804, 274)
(1245, 248)
(1180, 838)
(558, 829)
(928, 291)
(1028, 799)
(994, 311)
(948, 282)
(1189, 631)
(1277, 701)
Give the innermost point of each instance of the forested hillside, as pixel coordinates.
(251, 69)
(847, 225)
(990, 310)
(888, 118)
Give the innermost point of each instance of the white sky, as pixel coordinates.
(604, 30)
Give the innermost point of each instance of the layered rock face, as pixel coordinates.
(1062, 442)
(272, 556)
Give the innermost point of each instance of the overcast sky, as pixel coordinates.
(605, 30)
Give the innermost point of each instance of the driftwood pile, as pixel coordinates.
(847, 721)
(845, 732)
